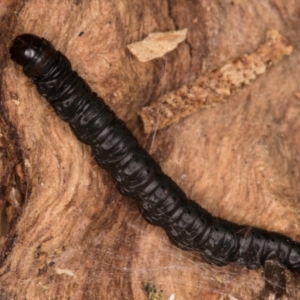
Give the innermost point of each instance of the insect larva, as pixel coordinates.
(161, 201)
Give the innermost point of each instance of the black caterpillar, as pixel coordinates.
(138, 176)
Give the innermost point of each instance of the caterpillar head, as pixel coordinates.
(36, 55)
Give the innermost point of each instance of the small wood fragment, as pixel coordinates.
(215, 86)
(275, 280)
(152, 292)
(157, 44)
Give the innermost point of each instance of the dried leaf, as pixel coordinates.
(157, 44)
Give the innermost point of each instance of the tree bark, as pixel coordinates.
(70, 234)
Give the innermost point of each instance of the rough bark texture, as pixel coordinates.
(71, 235)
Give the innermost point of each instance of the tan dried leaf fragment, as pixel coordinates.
(215, 86)
(157, 44)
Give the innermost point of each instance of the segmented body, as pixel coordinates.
(138, 176)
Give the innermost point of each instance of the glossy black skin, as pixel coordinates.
(137, 175)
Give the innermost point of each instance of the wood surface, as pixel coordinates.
(66, 231)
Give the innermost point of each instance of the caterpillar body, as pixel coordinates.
(137, 174)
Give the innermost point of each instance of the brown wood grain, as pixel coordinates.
(75, 236)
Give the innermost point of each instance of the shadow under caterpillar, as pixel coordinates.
(137, 174)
